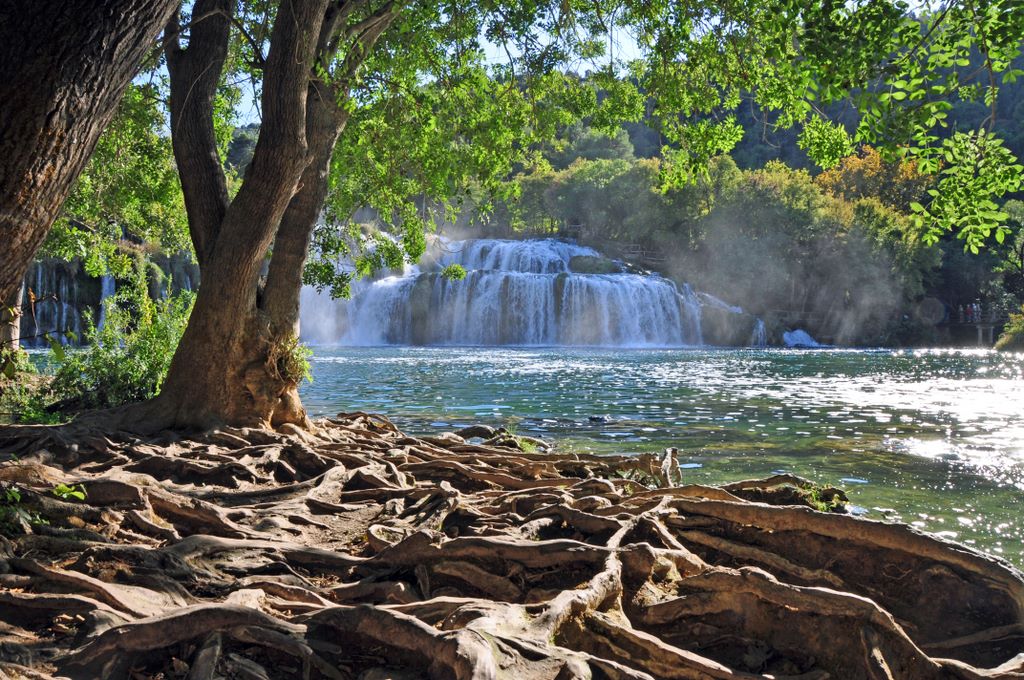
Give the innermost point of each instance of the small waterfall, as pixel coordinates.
(692, 311)
(57, 307)
(799, 338)
(64, 293)
(711, 301)
(759, 336)
(529, 292)
(108, 286)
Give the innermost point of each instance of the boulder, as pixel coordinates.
(482, 431)
(590, 264)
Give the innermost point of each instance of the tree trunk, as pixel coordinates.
(10, 321)
(63, 69)
(229, 367)
(235, 364)
(195, 75)
(325, 120)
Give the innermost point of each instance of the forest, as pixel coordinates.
(185, 186)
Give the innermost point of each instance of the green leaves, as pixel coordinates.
(56, 348)
(457, 98)
(129, 190)
(127, 359)
(825, 143)
(65, 492)
(698, 143)
(454, 272)
(977, 170)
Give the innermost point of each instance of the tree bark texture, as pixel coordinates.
(64, 66)
(224, 369)
(10, 320)
(195, 75)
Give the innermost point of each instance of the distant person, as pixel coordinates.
(970, 312)
(960, 313)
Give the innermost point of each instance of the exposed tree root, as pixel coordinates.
(355, 551)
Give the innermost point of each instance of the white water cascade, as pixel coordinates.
(759, 336)
(108, 286)
(531, 292)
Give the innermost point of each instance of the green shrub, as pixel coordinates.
(291, 360)
(1012, 339)
(23, 394)
(27, 403)
(13, 362)
(127, 359)
(15, 518)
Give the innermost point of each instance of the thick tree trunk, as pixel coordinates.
(325, 120)
(10, 321)
(228, 366)
(233, 365)
(63, 68)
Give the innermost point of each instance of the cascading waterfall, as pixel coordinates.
(108, 286)
(531, 292)
(55, 312)
(63, 295)
(759, 336)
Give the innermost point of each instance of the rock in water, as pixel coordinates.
(481, 431)
(593, 264)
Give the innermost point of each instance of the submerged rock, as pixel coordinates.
(799, 339)
(445, 439)
(593, 264)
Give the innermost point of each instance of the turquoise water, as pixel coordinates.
(934, 438)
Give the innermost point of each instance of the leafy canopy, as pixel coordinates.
(455, 96)
(129, 192)
(437, 120)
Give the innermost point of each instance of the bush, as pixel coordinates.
(22, 389)
(1012, 339)
(128, 357)
(12, 363)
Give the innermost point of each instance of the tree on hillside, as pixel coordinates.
(867, 175)
(63, 69)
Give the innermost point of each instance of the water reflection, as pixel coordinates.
(934, 438)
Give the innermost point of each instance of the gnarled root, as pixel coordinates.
(355, 551)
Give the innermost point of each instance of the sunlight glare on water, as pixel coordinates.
(932, 437)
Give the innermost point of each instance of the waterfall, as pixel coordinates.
(55, 309)
(759, 336)
(799, 338)
(108, 286)
(530, 292)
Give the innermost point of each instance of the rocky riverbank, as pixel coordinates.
(356, 551)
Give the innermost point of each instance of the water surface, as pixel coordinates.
(934, 438)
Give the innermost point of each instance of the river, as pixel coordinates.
(934, 438)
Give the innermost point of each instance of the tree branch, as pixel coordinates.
(195, 74)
